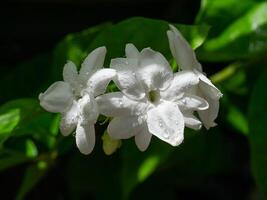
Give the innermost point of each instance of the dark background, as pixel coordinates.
(31, 27)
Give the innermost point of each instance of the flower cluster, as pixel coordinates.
(152, 99)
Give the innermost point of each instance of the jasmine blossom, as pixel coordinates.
(74, 98)
(152, 99)
(186, 60)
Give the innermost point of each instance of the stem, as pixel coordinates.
(231, 69)
(225, 73)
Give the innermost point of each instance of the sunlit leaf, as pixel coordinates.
(148, 167)
(244, 37)
(31, 149)
(8, 121)
(220, 14)
(29, 119)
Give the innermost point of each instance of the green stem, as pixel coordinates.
(226, 73)
(231, 69)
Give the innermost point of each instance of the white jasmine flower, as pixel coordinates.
(186, 60)
(74, 98)
(151, 99)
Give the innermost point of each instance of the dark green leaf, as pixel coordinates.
(257, 132)
(138, 166)
(73, 47)
(235, 113)
(11, 159)
(189, 164)
(237, 119)
(93, 177)
(19, 152)
(141, 32)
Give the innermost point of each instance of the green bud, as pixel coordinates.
(110, 145)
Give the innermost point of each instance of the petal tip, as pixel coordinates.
(211, 125)
(40, 96)
(177, 141)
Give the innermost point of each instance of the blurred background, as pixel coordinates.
(225, 163)
(31, 27)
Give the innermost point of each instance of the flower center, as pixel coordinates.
(153, 96)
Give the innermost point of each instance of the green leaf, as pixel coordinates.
(257, 132)
(77, 46)
(11, 159)
(31, 149)
(73, 47)
(8, 121)
(138, 166)
(235, 113)
(141, 32)
(220, 14)
(237, 119)
(244, 37)
(189, 164)
(31, 121)
(14, 114)
(95, 176)
(17, 152)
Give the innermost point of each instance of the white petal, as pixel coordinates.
(208, 88)
(182, 51)
(124, 127)
(191, 121)
(93, 62)
(126, 77)
(181, 83)
(69, 120)
(192, 102)
(142, 139)
(99, 81)
(85, 138)
(131, 51)
(167, 123)
(88, 108)
(57, 98)
(117, 104)
(70, 74)
(154, 70)
(208, 116)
